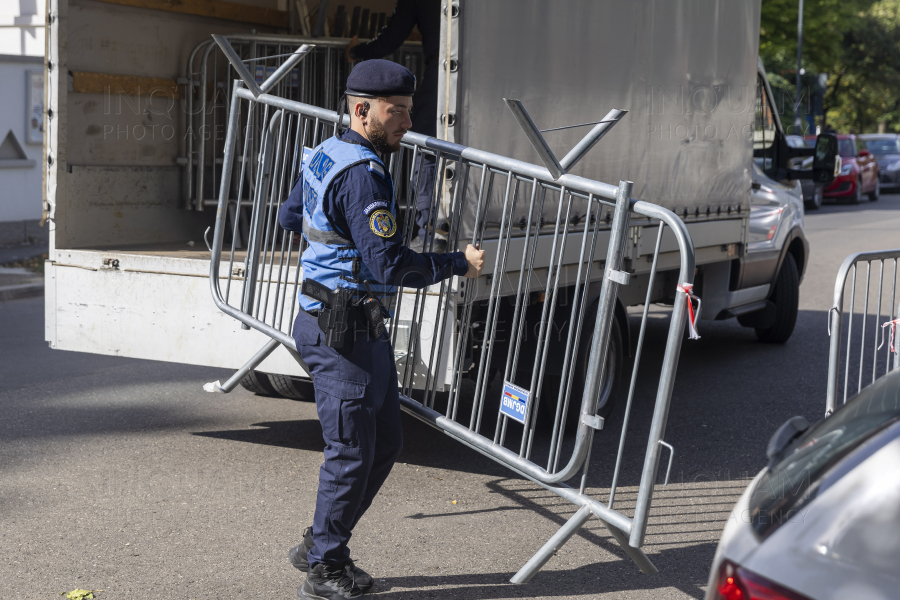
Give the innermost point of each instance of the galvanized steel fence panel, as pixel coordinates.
(873, 313)
(431, 330)
(317, 80)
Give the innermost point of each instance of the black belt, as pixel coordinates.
(356, 316)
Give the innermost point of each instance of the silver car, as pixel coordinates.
(822, 520)
(886, 148)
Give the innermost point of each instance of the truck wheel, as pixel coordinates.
(786, 298)
(258, 383)
(295, 388)
(609, 387)
(876, 193)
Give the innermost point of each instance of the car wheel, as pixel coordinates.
(876, 193)
(815, 203)
(295, 388)
(856, 198)
(786, 298)
(258, 383)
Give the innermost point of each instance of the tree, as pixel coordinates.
(857, 42)
(864, 89)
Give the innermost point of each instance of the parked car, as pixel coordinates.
(822, 520)
(886, 148)
(859, 172)
(812, 193)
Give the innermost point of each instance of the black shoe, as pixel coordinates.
(362, 579)
(297, 556)
(326, 582)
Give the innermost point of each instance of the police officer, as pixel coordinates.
(426, 15)
(344, 204)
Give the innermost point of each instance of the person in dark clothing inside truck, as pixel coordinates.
(426, 15)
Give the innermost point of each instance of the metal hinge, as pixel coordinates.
(594, 421)
(620, 277)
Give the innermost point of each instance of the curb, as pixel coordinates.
(15, 292)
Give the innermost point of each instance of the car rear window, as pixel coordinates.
(800, 474)
(883, 146)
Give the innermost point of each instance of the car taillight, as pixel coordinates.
(737, 583)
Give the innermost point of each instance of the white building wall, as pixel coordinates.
(21, 52)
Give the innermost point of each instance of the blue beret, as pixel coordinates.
(380, 78)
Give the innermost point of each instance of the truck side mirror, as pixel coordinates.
(826, 164)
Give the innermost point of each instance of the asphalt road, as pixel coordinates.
(122, 475)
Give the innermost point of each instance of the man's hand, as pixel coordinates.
(475, 258)
(353, 42)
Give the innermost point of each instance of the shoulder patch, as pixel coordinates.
(320, 164)
(382, 223)
(374, 167)
(373, 205)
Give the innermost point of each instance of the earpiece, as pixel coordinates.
(365, 109)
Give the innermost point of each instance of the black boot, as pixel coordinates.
(297, 556)
(326, 582)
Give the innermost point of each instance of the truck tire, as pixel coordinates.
(294, 388)
(786, 298)
(609, 387)
(258, 383)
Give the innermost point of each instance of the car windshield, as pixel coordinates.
(846, 148)
(883, 146)
(796, 478)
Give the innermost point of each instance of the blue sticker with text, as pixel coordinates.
(320, 165)
(515, 402)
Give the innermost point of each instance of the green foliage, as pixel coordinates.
(824, 24)
(856, 42)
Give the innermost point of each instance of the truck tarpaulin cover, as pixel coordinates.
(685, 70)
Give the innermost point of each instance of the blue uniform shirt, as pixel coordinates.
(345, 205)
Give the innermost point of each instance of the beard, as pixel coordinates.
(379, 137)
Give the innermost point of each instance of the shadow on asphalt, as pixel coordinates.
(605, 577)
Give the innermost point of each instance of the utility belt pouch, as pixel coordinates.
(371, 308)
(334, 316)
(374, 312)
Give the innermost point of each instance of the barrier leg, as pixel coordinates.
(235, 379)
(553, 544)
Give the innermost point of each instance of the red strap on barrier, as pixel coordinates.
(688, 290)
(893, 324)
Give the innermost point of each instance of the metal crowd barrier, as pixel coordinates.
(540, 263)
(318, 80)
(882, 332)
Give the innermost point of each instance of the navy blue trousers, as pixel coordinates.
(358, 402)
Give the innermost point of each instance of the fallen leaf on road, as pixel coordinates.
(80, 594)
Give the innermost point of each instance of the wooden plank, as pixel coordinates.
(217, 9)
(131, 85)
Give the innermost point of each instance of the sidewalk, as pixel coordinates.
(22, 271)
